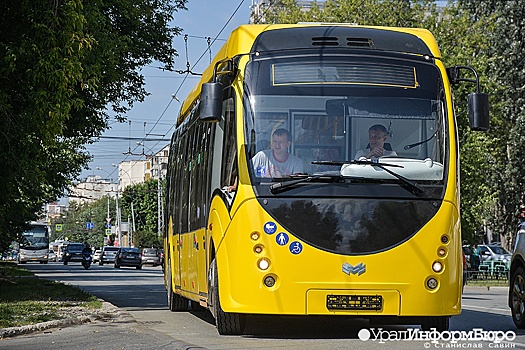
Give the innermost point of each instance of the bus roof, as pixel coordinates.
(415, 41)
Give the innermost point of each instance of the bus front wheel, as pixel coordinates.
(439, 323)
(228, 323)
(176, 302)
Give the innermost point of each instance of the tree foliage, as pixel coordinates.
(74, 221)
(506, 68)
(144, 198)
(62, 64)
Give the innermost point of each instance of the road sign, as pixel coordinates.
(108, 225)
(90, 225)
(58, 227)
(108, 232)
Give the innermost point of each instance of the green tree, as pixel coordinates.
(463, 41)
(62, 63)
(506, 67)
(364, 12)
(75, 218)
(144, 197)
(145, 239)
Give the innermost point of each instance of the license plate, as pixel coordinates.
(354, 302)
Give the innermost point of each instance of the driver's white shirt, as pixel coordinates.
(363, 152)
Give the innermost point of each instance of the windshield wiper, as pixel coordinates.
(412, 145)
(282, 186)
(413, 187)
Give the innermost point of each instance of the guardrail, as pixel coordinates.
(489, 270)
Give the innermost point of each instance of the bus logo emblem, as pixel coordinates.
(359, 269)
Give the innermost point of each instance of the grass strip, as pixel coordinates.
(26, 299)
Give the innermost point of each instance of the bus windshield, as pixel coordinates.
(36, 238)
(340, 109)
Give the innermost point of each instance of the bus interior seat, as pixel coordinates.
(263, 144)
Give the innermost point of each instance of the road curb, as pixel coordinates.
(107, 310)
(42, 326)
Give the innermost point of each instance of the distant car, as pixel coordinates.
(494, 252)
(150, 256)
(51, 255)
(73, 253)
(128, 257)
(517, 280)
(96, 256)
(107, 255)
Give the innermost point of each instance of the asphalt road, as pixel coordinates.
(140, 293)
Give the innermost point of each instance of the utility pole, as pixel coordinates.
(159, 199)
(119, 231)
(132, 218)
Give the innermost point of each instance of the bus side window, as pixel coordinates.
(229, 161)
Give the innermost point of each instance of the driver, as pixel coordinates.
(377, 135)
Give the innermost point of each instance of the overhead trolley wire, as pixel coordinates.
(186, 76)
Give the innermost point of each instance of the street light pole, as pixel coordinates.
(119, 214)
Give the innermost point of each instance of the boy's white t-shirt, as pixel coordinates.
(265, 165)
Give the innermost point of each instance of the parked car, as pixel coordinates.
(494, 252)
(107, 255)
(516, 298)
(51, 255)
(150, 256)
(73, 253)
(96, 256)
(128, 257)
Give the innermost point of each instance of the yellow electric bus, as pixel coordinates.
(343, 232)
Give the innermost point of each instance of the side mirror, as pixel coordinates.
(478, 102)
(478, 111)
(210, 108)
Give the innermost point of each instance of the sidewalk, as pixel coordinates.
(108, 328)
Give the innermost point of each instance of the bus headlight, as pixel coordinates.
(437, 266)
(263, 264)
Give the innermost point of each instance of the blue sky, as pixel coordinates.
(203, 19)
